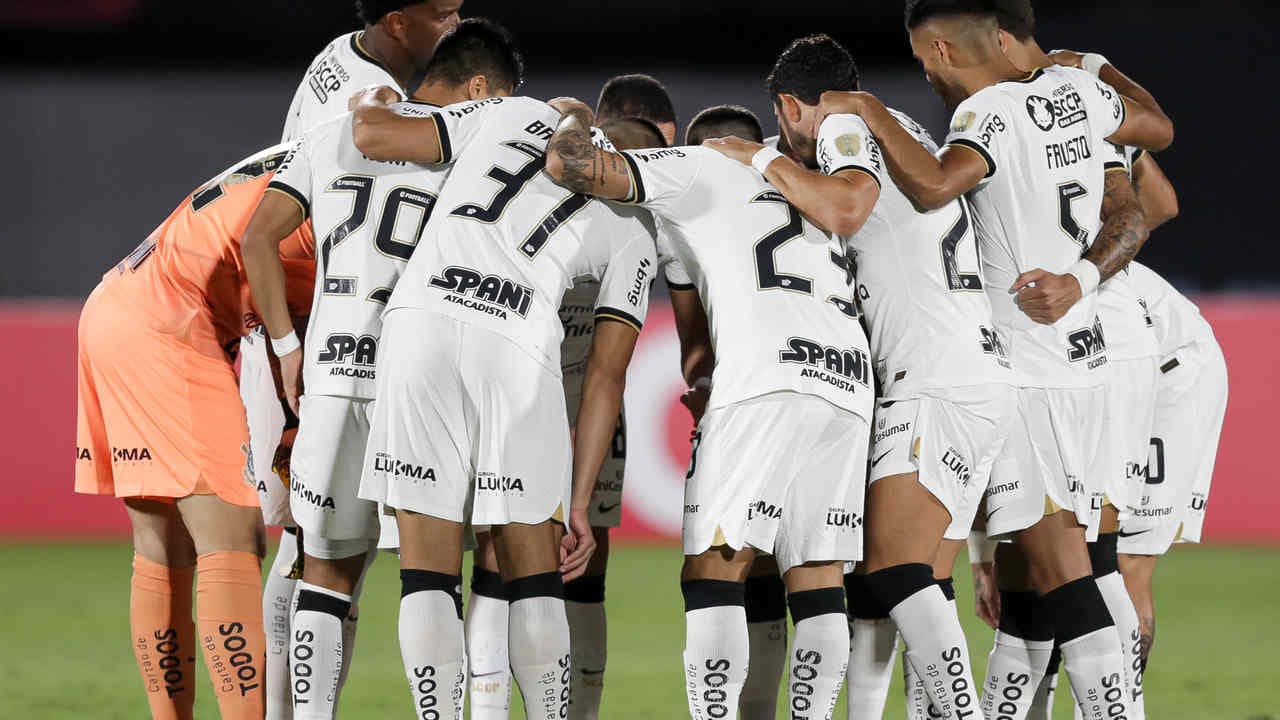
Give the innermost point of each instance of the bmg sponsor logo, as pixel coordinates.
(489, 294)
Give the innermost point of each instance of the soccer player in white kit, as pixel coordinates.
(779, 457)
(397, 39)
(1029, 148)
(361, 258)
(472, 424)
(946, 402)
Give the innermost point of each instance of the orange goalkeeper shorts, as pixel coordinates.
(157, 419)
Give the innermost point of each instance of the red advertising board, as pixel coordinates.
(37, 391)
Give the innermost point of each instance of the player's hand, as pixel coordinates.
(375, 95)
(695, 399)
(1044, 296)
(1067, 58)
(734, 148)
(577, 545)
(840, 102)
(291, 378)
(986, 596)
(280, 463)
(574, 106)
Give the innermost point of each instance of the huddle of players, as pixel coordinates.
(971, 383)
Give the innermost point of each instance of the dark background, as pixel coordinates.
(115, 109)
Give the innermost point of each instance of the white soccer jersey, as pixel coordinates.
(918, 277)
(776, 289)
(1177, 321)
(1043, 140)
(342, 68)
(368, 216)
(507, 241)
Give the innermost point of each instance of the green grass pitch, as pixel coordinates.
(64, 646)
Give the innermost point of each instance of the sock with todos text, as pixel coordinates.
(486, 628)
(538, 642)
(820, 653)
(766, 609)
(431, 642)
(164, 640)
(716, 649)
(1019, 656)
(873, 648)
(1091, 649)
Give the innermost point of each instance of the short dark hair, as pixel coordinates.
(1016, 17)
(810, 66)
(634, 132)
(919, 11)
(371, 11)
(635, 95)
(478, 46)
(722, 120)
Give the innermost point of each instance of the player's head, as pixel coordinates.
(633, 133)
(416, 25)
(807, 68)
(639, 96)
(476, 59)
(1015, 17)
(723, 121)
(952, 39)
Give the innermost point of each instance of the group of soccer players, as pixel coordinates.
(435, 287)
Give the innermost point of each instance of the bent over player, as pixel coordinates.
(161, 425)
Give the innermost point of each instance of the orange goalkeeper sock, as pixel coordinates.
(164, 637)
(229, 615)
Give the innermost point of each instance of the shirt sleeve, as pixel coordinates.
(458, 124)
(660, 178)
(1116, 157)
(625, 283)
(1104, 105)
(673, 269)
(845, 143)
(293, 178)
(979, 125)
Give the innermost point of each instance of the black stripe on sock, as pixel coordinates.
(1077, 609)
(700, 594)
(1102, 555)
(312, 601)
(894, 584)
(811, 603)
(548, 584)
(863, 604)
(487, 583)
(412, 581)
(766, 599)
(586, 589)
(948, 587)
(1024, 615)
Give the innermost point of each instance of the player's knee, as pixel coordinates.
(766, 598)
(487, 583)
(540, 585)
(703, 594)
(586, 589)
(894, 584)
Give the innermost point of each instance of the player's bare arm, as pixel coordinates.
(930, 181)
(576, 163)
(697, 359)
(382, 134)
(612, 345)
(277, 216)
(838, 203)
(1156, 194)
(1134, 94)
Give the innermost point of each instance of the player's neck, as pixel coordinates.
(384, 49)
(987, 74)
(1028, 56)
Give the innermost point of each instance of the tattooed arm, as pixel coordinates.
(576, 163)
(1124, 227)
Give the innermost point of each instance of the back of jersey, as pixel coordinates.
(1043, 141)
(776, 288)
(920, 290)
(368, 217)
(507, 241)
(342, 68)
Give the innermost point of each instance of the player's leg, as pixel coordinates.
(918, 704)
(160, 607)
(278, 596)
(229, 542)
(1138, 572)
(432, 644)
(873, 649)
(1106, 573)
(538, 629)
(765, 597)
(716, 647)
(1020, 655)
(820, 649)
(588, 631)
(486, 631)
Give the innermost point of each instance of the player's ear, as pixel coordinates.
(394, 25)
(477, 87)
(791, 109)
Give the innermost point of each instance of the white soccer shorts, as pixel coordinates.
(1126, 434)
(1044, 465)
(950, 439)
(266, 424)
(1191, 401)
(784, 473)
(328, 456)
(469, 427)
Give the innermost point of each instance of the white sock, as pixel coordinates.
(538, 641)
(819, 654)
(716, 649)
(767, 642)
(316, 650)
(351, 623)
(1120, 605)
(1095, 665)
(277, 615)
(1042, 702)
(490, 669)
(873, 648)
(431, 642)
(588, 638)
(937, 649)
(1014, 670)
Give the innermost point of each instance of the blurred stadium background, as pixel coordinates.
(114, 109)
